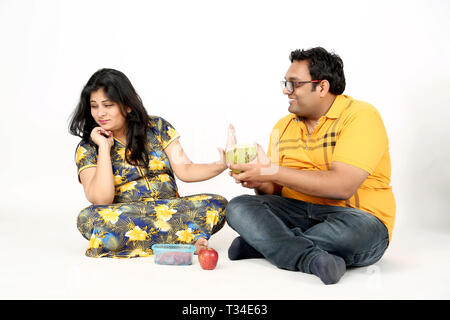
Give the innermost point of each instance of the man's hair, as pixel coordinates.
(323, 65)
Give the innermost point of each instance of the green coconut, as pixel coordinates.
(241, 154)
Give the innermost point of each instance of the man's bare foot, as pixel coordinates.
(200, 244)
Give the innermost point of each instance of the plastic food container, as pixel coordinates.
(173, 254)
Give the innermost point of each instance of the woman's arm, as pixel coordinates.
(186, 170)
(98, 182)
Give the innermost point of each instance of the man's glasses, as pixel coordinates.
(291, 85)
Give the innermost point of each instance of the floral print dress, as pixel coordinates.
(147, 208)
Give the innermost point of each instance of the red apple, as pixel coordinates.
(208, 258)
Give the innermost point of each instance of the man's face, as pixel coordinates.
(303, 101)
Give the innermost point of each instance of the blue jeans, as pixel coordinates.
(290, 233)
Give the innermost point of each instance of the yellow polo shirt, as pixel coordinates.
(351, 132)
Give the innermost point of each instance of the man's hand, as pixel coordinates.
(247, 184)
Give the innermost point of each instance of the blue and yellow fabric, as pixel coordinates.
(147, 207)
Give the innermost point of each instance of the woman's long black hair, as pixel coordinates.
(119, 89)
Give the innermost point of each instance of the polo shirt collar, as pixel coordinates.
(339, 104)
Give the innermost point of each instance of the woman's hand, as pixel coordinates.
(231, 137)
(98, 181)
(102, 137)
(222, 161)
(200, 244)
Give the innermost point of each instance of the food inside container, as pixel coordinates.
(242, 153)
(173, 254)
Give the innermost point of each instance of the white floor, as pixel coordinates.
(43, 258)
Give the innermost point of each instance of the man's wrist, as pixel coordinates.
(263, 188)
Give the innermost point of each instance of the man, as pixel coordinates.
(323, 197)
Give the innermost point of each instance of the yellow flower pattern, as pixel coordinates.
(147, 207)
(163, 212)
(118, 180)
(130, 186)
(212, 217)
(156, 164)
(200, 198)
(80, 153)
(185, 235)
(109, 215)
(136, 234)
(139, 252)
(164, 178)
(171, 132)
(121, 153)
(95, 241)
(162, 225)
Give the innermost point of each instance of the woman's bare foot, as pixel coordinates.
(200, 244)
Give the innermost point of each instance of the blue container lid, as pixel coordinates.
(173, 247)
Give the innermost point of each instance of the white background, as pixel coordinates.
(204, 64)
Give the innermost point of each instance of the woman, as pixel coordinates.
(126, 162)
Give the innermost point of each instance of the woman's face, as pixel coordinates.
(106, 113)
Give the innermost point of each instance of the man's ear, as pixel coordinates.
(323, 87)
